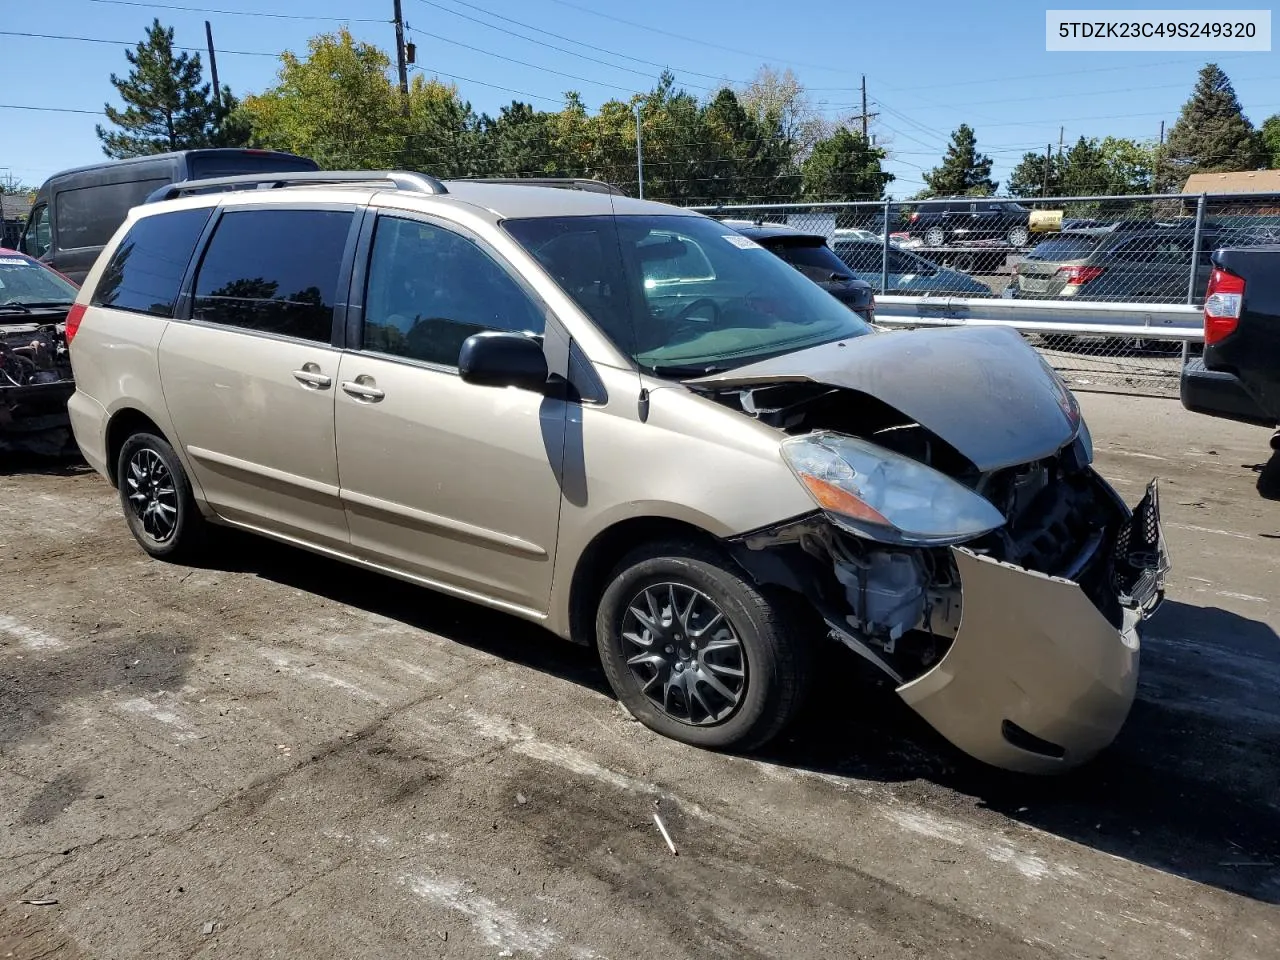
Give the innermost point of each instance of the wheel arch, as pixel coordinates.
(123, 424)
(603, 553)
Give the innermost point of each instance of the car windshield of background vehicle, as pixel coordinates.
(815, 260)
(29, 284)
(1064, 248)
(684, 295)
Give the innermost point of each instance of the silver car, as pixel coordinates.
(632, 425)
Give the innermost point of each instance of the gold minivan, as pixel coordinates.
(633, 425)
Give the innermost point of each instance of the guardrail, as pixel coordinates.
(1140, 321)
(1134, 348)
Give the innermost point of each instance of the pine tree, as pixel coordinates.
(963, 171)
(1028, 177)
(1212, 133)
(167, 107)
(844, 166)
(1271, 140)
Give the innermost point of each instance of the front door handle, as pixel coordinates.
(310, 376)
(362, 388)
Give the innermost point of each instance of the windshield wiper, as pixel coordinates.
(15, 306)
(43, 303)
(685, 370)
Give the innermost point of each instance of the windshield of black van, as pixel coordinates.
(684, 295)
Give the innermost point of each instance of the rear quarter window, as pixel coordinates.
(145, 272)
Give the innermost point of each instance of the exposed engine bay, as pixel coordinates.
(901, 607)
(35, 382)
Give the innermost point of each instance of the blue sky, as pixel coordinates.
(930, 65)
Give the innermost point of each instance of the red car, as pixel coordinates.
(35, 370)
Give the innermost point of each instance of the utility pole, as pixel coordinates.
(1061, 133)
(864, 106)
(400, 61)
(639, 154)
(1048, 159)
(864, 116)
(1155, 173)
(213, 65)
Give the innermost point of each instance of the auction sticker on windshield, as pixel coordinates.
(742, 243)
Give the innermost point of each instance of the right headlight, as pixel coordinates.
(881, 495)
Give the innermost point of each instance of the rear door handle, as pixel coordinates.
(362, 390)
(310, 376)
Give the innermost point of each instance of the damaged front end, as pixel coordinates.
(1003, 599)
(35, 383)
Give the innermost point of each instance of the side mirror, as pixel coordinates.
(495, 358)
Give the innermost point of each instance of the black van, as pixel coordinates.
(77, 211)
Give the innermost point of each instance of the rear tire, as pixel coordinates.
(935, 237)
(156, 497)
(1018, 237)
(697, 653)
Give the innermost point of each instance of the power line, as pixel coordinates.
(239, 13)
(523, 63)
(25, 106)
(482, 83)
(552, 46)
(700, 41)
(128, 43)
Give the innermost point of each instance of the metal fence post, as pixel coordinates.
(884, 253)
(1195, 268)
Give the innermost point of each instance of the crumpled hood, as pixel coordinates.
(983, 390)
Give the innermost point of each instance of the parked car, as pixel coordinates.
(908, 273)
(809, 253)
(35, 370)
(475, 387)
(958, 219)
(77, 211)
(1238, 377)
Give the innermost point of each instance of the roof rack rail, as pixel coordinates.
(564, 183)
(399, 179)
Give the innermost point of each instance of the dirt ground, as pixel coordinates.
(278, 756)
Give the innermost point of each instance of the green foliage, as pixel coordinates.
(1212, 133)
(1270, 135)
(167, 106)
(336, 105)
(963, 171)
(1109, 167)
(844, 166)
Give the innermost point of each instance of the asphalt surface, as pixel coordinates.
(278, 756)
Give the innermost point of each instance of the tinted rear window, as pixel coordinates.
(146, 270)
(88, 216)
(273, 270)
(1064, 248)
(232, 165)
(814, 260)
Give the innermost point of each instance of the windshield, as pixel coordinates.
(815, 260)
(684, 295)
(27, 282)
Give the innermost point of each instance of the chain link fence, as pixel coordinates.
(1139, 250)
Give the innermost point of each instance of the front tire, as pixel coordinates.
(935, 237)
(1018, 237)
(156, 497)
(696, 652)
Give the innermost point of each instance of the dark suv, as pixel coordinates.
(971, 218)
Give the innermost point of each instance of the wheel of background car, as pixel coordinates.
(686, 313)
(696, 652)
(156, 497)
(965, 262)
(1018, 237)
(935, 236)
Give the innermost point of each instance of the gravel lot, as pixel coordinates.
(278, 756)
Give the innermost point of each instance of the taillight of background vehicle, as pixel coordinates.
(1078, 276)
(74, 316)
(1222, 305)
